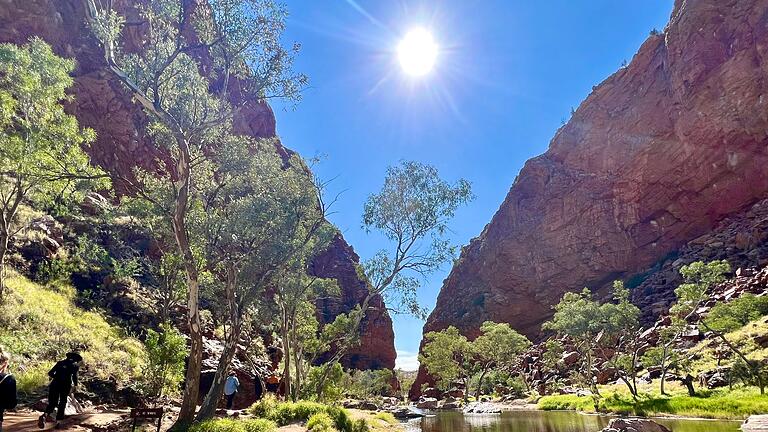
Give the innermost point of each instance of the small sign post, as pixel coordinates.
(147, 413)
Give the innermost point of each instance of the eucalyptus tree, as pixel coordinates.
(498, 348)
(295, 292)
(606, 330)
(448, 356)
(194, 68)
(699, 278)
(412, 212)
(262, 221)
(41, 158)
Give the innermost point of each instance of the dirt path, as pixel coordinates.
(91, 421)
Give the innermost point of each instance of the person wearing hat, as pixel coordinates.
(230, 388)
(7, 387)
(63, 380)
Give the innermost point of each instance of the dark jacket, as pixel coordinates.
(7, 392)
(64, 374)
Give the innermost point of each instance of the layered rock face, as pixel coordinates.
(101, 103)
(655, 157)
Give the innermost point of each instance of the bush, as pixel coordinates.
(230, 425)
(361, 425)
(333, 389)
(320, 422)
(727, 317)
(166, 351)
(284, 413)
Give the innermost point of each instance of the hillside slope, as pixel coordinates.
(39, 325)
(653, 158)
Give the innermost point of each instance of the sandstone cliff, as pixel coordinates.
(101, 103)
(655, 157)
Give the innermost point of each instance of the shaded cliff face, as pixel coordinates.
(654, 157)
(376, 350)
(101, 103)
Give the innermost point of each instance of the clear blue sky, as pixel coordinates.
(507, 74)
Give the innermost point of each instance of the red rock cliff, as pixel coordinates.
(654, 157)
(102, 104)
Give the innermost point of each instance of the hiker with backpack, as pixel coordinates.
(8, 398)
(63, 382)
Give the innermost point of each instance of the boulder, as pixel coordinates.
(571, 358)
(634, 425)
(427, 403)
(756, 423)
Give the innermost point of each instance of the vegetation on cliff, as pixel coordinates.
(39, 324)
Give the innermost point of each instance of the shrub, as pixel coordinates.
(320, 422)
(361, 425)
(284, 413)
(265, 407)
(727, 317)
(230, 425)
(333, 387)
(166, 351)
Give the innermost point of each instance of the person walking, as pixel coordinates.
(230, 388)
(63, 381)
(8, 398)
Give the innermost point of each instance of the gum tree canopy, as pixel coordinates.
(41, 159)
(182, 62)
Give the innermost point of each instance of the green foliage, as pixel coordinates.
(412, 210)
(360, 425)
(748, 373)
(320, 422)
(41, 158)
(500, 345)
(232, 425)
(166, 351)
(607, 330)
(332, 387)
(699, 278)
(386, 417)
(577, 316)
(284, 413)
(39, 325)
(368, 383)
(447, 355)
(727, 317)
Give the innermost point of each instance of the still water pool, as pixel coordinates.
(543, 421)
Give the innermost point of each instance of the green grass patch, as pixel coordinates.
(38, 325)
(717, 404)
(231, 425)
(743, 338)
(386, 417)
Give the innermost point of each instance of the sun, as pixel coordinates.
(417, 52)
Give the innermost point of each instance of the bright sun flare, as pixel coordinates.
(417, 52)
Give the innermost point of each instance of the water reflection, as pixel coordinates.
(538, 421)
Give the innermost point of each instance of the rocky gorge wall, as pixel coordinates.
(655, 157)
(101, 103)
